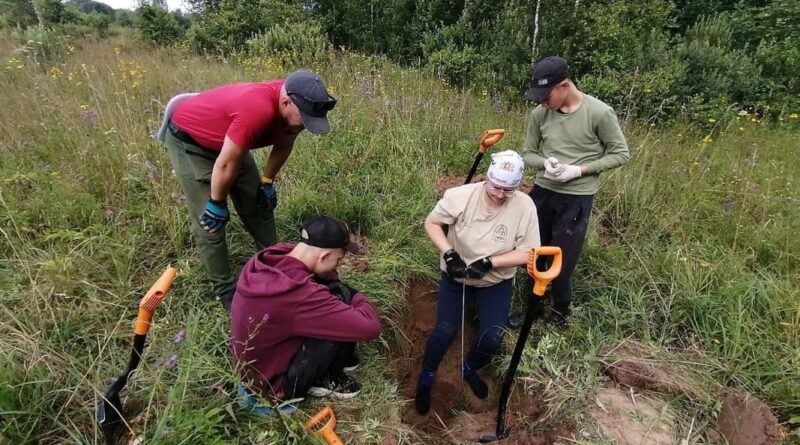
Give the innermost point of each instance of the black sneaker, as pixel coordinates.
(515, 321)
(478, 386)
(339, 387)
(352, 363)
(559, 320)
(422, 400)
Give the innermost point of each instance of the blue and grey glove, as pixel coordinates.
(267, 192)
(215, 216)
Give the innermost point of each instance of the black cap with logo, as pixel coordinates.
(328, 232)
(547, 73)
(308, 92)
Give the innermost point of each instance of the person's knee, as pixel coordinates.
(490, 340)
(444, 331)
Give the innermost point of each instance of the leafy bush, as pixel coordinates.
(158, 26)
(227, 28)
(41, 44)
(291, 44)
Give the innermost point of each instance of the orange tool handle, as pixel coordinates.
(490, 137)
(327, 430)
(152, 299)
(542, 278)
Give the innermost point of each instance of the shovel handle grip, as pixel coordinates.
(327, 429)
(152, 299)
(542, 278)
(490, 137)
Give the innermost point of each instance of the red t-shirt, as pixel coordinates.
(245, 112)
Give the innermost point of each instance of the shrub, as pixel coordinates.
(41, 44)
(158, 26)
(291, 44)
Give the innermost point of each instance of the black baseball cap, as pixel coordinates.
(547, 73)
(328, 232)
(308, 92)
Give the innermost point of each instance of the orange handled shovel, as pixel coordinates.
(541, 279)
(486, 139)
(109, 408)
(327, 419)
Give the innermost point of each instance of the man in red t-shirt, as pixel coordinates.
(209, 139)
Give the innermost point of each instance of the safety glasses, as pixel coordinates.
(497, 191)
(317, 106)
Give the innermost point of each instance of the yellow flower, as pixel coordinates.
(707, 139)
(84, 107)
(794, 116)
(712, 120)
(741, 128)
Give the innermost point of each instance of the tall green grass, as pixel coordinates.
(692, 245)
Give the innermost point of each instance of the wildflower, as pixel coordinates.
(707, 139)
(648, 90)
(711, 120)
(743, 113)
(794, 116)
(55, 72)
(171, 361)
(84, 107)
(741, 128)
(179, 337)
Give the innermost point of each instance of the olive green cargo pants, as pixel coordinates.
(193, 166)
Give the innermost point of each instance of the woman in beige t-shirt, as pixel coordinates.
(492, 227)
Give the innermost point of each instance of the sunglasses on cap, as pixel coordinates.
(317, 106)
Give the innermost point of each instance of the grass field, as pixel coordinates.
(693, 247)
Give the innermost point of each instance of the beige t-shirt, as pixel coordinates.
(478, 229)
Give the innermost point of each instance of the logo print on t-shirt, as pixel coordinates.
(500, 234)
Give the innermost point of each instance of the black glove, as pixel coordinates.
(456, 267)
(479, 268)
(341, 291)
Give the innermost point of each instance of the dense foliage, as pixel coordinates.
(659, 60)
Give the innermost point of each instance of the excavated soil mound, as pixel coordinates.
(633, 420)
(745, 420)
(456, 415)
(631, 364)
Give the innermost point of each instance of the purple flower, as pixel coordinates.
(179, 337)
(171, 361)
(90, 115)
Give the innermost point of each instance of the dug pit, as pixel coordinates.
(456, 415)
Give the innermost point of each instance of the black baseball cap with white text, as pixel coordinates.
(547, 73)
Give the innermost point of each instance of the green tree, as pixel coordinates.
(48, 12)
(158, 26)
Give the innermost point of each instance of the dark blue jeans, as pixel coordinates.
(563, 220)
(492, 303)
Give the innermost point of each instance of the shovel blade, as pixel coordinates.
(109, 417)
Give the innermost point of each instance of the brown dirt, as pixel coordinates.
(745, 420)
(456, 415)
(631, 364)
(636, 420)
(447, 182)
(357, 263)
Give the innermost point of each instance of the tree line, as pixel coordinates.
(652, 59)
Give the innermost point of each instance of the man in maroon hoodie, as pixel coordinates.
(293, 323)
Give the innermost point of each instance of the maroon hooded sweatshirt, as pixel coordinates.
(277, 305)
